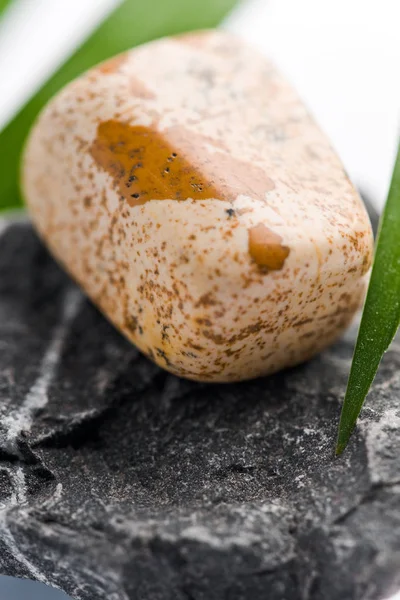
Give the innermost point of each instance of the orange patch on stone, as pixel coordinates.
(176, 164)
(266, 249)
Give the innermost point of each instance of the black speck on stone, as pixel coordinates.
(119, 481)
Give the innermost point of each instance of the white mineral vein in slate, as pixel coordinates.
(20, 419)
(17, 498)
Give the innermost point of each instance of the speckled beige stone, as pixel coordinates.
(187, 190)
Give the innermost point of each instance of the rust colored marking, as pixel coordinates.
(112, 65)
(266, 249)
(147, 165)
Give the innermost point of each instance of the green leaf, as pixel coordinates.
(3, 5)
(133, 22)
(381, 315)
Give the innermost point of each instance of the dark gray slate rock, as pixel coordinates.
(119, 481)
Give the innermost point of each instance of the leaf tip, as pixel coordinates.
(340, 446)
(345, 431)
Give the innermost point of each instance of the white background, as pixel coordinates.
(342, 55)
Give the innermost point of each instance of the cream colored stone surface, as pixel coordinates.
(186, 189)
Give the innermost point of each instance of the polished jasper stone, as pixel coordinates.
(186, 188)
(119, 481)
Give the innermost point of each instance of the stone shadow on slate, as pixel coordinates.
(121, 481)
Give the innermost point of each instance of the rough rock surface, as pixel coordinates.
(119, 481)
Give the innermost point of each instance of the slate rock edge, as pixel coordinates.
(120, 481)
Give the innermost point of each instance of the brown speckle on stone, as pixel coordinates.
(206, 300)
